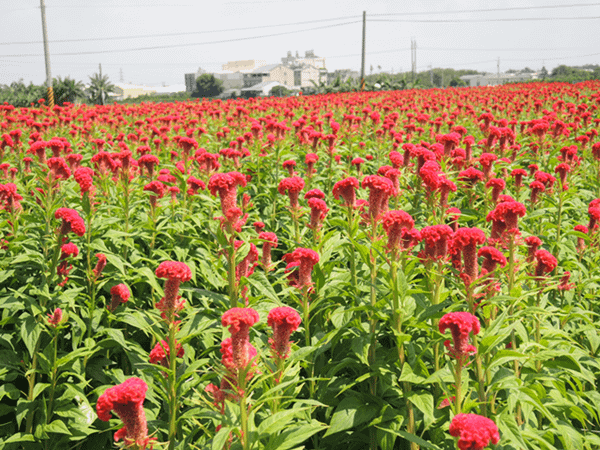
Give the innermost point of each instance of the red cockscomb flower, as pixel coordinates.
(293, 186)
(380, 190)
(71, 221)
(394, 223)
(119, 294)
(175, 273)
(306, 258)
(461, 324)
(346, 189)
(436, 239)
(474, 432)
(467, 239)
(546, 263)
(55, 318)
(161, 353)
(284, 321)
(239, 321)
(126, 400)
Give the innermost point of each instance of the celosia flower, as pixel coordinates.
(289, 165)
(533, 243)
(71, 221)
(284, 321)
(239, 321)
(175, 273)
(436, 239)
(497, 185)
(461, 324)
(269, 241)
(58, 168)
(318, 212)
(467, 239)
(161, 353)
(314, 193)
(127, 400)
(293, 186)
(394, 223)
(148, 162)
(306, 258)
(546, 263)
(581, 241)
(100, 265)
(119, 294)
(536, 187)
(492, 257)
(564, 282)
(471, 176)
(84, 177)
(474, 432)
(346, 189)
(509, 213)
(55, 318)
(430, 174)
(225, 185)
(380, 190)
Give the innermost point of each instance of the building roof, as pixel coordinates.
(261, 86)
(265, 69)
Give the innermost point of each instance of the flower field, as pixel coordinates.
(375, 270)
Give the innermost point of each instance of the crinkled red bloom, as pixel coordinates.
(284, 321)
(380, 190)
(269, 241)
(306, 258)
(546, 262)
(394, 223)
(430, 175)
(120, 294)
(68, 249)
(174, 270)
(55, 318)
(318, 212)
(436, 239)
(71, 221)
(467, 240)
(497, 185)
(292, 186)
(471, 175)
(59, 168)
(161, 353)
(492, 257)
(346, 189)
(474, 432)
(175, 273)
(461, 324)
(126, 400)
(225, 185)
(239, 321)
(100, 265)
(314, 193)
(509, 213)
(84, 177)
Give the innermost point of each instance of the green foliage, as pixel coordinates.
(280, 91)
(68, 90)
(20, 94)
(207, 85)
(100, 87)
(157, 98)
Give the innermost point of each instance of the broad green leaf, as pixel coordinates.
(350, 413)
(411, 438)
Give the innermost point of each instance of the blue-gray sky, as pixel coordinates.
(207, 34)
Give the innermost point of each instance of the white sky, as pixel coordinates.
(469, 43)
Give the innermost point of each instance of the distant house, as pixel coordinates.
(262, 89)
(272, 72)
(124, 91)
(493, 79)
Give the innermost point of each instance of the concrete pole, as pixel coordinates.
(364, 41)
(47, 56)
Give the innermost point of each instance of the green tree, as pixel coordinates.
(68, 90)
(99, 89)
(20, 94)
(280, 91)
(207, 86)
(544, 73)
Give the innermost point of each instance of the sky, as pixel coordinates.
(155, 42)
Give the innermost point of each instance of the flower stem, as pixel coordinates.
(172, 384)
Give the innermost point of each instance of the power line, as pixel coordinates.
(158, 47)
(515, 19)
(189, 33)
(517, 8)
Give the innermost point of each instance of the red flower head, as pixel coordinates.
(509, 213)
(306, 258)
(292, 186)
(100, 265)
(120, 294)
(84, 177)
(518, 175)
(492, 257)
(55, 318)
(346, 189)
(581, 241)
(239, 321)
(486, 161)
(284, 321)
(161, 353)
(126, 400)
(533, 243)
(289, 165)
(394, 224)
(269, 241)
(175, 274)
(436, 239)
(314, 193)
(497, 185)
(564, 282)
(461, 324)
(536, 187)
(430, 173)
(380, 190)
(546, 263)
(467, 239)
(58, 168)
(471, 176)
(474, 432)
(225, 185)
(258, 226)
(71, 221)
(318, 212)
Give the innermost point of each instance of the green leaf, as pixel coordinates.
(350, 413)
(30, 333)
(20, 437)
(290, 438)
(278, 421)
(411, 438)
(221, 438)
(424, 403)
(9, 390)
(259, 281)
(57, 426)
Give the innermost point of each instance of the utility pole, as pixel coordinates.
(47, 56)
(498, 70)
(413, 58)
(364, 41)
(121, 75)
(430, 75)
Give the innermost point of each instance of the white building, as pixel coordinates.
(494, 79)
